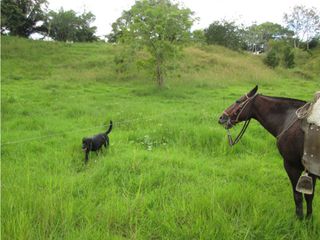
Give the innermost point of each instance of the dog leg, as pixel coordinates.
(87, 157)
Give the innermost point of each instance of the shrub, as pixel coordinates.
(288, 58)
(272, 60)
(314, 42)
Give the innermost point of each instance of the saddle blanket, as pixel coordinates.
(314, 116)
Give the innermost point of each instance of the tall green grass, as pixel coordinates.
(168, 173)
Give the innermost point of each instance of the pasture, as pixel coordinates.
(168, 173)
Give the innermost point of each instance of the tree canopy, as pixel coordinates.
(305, 22)
(68, 26)
(23, 17)
(258, 36)
(224, 33)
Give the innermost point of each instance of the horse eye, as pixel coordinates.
(238, 101)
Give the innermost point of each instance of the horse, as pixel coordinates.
(278, 116)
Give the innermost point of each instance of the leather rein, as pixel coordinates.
(244, 128)
(238, 112)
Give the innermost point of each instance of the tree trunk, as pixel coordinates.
(159, 73)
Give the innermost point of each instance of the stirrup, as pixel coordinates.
(305, 184)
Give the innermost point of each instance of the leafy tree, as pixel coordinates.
(67, 26)
(84, 32)
(120, 26)
(305, 22)
(253, 38)
(224, 33)
(159, 26)
(269, 30)
(257, 36)
(23, 17)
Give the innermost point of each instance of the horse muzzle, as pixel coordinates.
(225, 121)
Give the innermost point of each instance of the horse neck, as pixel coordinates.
(275, 114)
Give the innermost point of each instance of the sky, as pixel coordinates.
(242, 11)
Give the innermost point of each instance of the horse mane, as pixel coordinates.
(297, 102)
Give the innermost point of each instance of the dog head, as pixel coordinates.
(86, 144)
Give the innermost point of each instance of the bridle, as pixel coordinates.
(237, 112)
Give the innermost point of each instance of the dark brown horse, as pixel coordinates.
(278, 116)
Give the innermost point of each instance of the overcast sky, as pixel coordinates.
(243, 11)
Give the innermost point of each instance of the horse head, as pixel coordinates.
(238, 111)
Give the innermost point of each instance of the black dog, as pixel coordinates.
(96, 142)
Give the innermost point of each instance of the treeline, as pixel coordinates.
(162, 27)
(25, 17)
(301, 31)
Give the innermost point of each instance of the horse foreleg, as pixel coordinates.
(309, 198)
(294, 175)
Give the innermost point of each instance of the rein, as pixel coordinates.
(301, 113)
(244, 128)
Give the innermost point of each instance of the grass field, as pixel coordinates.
(168, 173)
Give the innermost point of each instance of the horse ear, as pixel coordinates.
(253, 91)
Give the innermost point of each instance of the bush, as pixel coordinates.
(272, 60)
(288, 58)
(314, 42)
(198, 37)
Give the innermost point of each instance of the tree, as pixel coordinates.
(258, 36)
(23, 17)
(120, 26)
(67, 26)
(224, 33)
(159, 26)
(305, 22)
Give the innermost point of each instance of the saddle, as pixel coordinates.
(310, 115)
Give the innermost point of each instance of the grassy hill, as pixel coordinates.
(308, 63)
(168, 174)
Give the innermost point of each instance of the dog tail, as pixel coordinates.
(110, 128)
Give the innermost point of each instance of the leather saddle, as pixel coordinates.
(311, 152)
